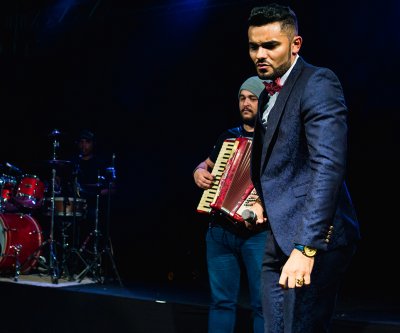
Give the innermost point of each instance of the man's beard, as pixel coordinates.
(281, 70)
(277, 72)
(250, 121)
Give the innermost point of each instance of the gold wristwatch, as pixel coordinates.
(306, 250)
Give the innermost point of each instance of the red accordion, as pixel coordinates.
(232, 191)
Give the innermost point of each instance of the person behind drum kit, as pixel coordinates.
(92, 179)
(228, 244)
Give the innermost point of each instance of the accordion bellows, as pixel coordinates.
(232, 191)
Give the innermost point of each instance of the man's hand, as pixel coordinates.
(261, 220)
(297, 271)
(203, 178)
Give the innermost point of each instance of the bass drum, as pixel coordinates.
(20, 239)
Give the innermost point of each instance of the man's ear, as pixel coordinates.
(296, 44)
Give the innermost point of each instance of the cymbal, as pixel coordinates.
(58, 163)
(93, 186)
(91, 189)
(55, 132)
(9, 168)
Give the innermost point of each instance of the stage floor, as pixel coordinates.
(35, 304)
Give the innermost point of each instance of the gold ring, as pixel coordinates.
(300, 282)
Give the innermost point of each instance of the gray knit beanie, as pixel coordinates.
(253, 84)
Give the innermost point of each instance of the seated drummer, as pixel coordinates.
(93, 176)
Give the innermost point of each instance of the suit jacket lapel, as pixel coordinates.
(277, 111)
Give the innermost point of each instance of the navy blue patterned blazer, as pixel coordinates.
(298, 163)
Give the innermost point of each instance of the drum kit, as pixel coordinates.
(28, 246)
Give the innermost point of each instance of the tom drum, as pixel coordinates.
(30, 192)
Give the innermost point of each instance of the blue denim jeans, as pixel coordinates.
(225, 251)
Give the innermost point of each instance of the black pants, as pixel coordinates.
(302, 310)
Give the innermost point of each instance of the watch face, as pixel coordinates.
(309, 252)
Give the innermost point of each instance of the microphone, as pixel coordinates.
(249, 216)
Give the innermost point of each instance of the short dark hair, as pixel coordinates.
(87, 135)
(273, 12)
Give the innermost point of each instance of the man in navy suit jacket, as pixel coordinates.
(298, 167)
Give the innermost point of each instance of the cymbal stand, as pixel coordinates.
(108, 244)
(64, 244)
(53, 264)
(95, 266)
(74, 249)
(74, 221)
(52, 268)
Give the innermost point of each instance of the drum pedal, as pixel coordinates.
(42, 264)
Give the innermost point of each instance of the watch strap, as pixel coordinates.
(306, 250)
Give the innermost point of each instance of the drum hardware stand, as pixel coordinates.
(74, 249)
(17, 249)
(53, 263)
(108, 245)
(75, 192)
(17, 270)
(64, 246)
(95, 266)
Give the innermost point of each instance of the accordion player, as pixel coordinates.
(232, 192)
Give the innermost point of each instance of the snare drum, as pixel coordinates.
(20, 238)
(64, 206)
(30, 192)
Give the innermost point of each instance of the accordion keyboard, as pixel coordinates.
(227, 149)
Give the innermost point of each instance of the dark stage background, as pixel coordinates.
(157, 82)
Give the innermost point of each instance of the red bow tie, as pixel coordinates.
(274, 86)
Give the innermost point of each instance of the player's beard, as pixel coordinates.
(250, 121)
